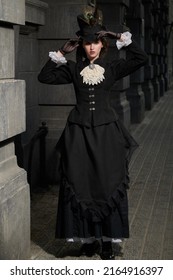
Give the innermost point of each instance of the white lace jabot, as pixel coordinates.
(93, 74)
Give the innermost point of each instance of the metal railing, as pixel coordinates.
(40, 136)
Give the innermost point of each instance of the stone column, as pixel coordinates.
(114, 17)
(164, 41)
(149, 48)
(155, 54)
(26, 68)
(135, 94)
(14, 189)
(161, 28)
(170, 44)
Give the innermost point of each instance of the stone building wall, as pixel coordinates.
(27, 67)
(170, 44)
(19, 119)
(14, 190)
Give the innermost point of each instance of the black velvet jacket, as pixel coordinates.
(93, 102)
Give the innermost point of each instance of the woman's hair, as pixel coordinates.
(81, 54)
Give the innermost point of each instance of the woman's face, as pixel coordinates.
(92, 49)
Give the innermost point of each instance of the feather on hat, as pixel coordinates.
(90, 22)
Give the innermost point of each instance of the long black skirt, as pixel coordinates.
(94, 180)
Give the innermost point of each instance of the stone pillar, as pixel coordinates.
(170, 44)
(14, 189)
(26, 68)
(161, 28)
(149, 48)
(135, 94)
(155, 54)
(114, 17)
(164, 41)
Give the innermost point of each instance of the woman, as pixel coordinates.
(95, 148)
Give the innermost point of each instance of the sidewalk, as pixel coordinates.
(150, 197)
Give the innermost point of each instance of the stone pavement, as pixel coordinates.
(150, 198)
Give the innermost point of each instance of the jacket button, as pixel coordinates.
(92, 102)
(91, 89)
(92, 109)
(91, 95)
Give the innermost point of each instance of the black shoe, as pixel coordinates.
(90, 249)
(107, 252)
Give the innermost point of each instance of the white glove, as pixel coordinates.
(125, 40)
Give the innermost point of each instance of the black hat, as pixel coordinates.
(89, 33)
(90, 22)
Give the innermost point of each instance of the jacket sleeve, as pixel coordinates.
(55, 74)
(136, 58)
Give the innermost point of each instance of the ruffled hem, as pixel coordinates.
(92, 239)
(97, 211)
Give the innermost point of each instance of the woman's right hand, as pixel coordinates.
(69, 46)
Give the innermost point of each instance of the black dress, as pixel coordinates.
(95, 150)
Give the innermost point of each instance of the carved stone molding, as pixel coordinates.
(35, 12)
(12, 11)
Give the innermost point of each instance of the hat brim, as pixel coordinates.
(90, 33)
(90, 38)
